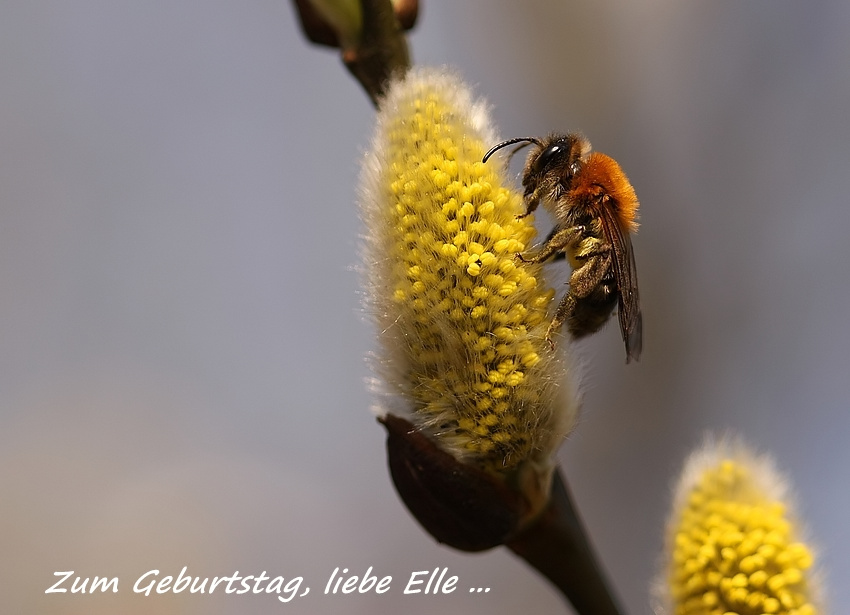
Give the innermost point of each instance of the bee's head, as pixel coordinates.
(556, 159)
(551, 164)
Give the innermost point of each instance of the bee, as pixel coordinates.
(595, 209)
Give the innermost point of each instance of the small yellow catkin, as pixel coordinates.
(733, 547)
(461, 320)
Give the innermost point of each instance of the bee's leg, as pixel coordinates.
(531, 202)
(583, 282)
(529, 209)
(560, 255)
(565, 309)
(587, 277)
(558, 241)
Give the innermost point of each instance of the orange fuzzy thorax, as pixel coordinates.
(601, 175)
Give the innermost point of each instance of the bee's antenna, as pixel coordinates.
(509, 142)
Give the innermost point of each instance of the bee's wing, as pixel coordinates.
(625, 272)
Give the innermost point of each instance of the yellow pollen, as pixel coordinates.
(733, 552)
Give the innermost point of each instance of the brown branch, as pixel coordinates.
(556, 544)
(381, 49)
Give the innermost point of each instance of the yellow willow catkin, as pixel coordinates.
(733, 548)
(461, 320)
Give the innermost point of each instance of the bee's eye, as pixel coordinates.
(548, 156)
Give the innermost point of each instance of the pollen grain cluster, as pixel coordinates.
(463, 319)
(734, 550)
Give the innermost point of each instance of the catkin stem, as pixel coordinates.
(558, 547)
(382, 51)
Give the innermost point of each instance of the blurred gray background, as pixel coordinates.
(181, 342)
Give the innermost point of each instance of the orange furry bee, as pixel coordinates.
(595, 209)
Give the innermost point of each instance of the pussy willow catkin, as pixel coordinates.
(733, 547)
(461, 321)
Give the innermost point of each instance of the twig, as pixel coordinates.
(379, 52)
(382, 51)
(557, 546)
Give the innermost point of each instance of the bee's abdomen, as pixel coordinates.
(594, 310)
